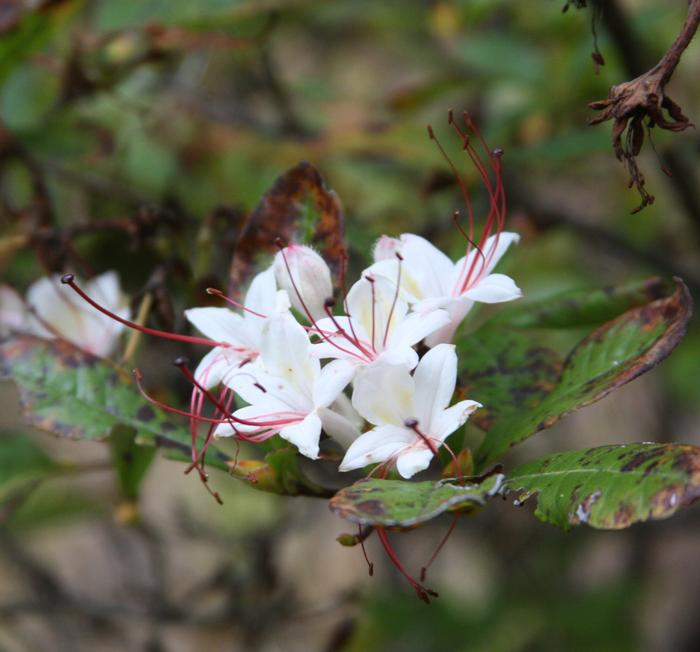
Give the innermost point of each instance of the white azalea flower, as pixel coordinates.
(378, 327)
(240, 332)
(288, 393)
(13, 312)
(306, 278)
(50, 310)
(430, 280)
(409, 412)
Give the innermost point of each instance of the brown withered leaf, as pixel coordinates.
(280, 216)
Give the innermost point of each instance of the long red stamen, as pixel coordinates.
(182, 364)
(69, 279)
(237, 304)
(169, 408)
(374, 304)
(282, 248)
(354, 340)
(443, 541)
(460, 181)
(473, 270)
(413, 425)
(399, 258)
(423, 592)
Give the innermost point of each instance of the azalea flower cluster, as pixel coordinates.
(292, 371)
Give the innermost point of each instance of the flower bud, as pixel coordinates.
(306, 278)
(386, 248)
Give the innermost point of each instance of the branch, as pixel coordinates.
(630, 103)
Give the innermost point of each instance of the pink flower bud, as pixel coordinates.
(386, 248)
(306, 278)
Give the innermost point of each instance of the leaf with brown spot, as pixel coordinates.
(610, 487)
(402, 504)
(298, 208)
(505, 372)
(71, 393)
(614, 354)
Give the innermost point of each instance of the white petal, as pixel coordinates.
(457, 309)
(105, 289)
(414, 461)
(258, 416)
(415, 327)
(286, 353)
(374, 446)
(435, 379)
(262, 294)
(493, 250)
(383, 394)
(427, 265)
(452, 418)
(397, 355)
(215, 364)
(495, 288)
(257, 387)
(375, 308)
(13, 312)
(218, 324)
(339, 427)
(505, 239)
(334, 378)
(304, 435)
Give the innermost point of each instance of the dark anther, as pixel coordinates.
(431, 134)
(67, 279)
(182, 361)
(329, 302)
(260, 387)
(498, 152)
(450, 117)
(279, 243)
(410, 423)
(399, 256)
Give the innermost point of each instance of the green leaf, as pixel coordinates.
(402, 504)
(587, 307)
(505, 372)
(72, 393)
(610, 487)
(612, 355)
(131, 461)
(23, 459)
(280, 473)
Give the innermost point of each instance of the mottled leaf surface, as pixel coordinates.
(585, 307)
(505, 372)
(298, 208)
(402, 504)
(612, 355)
(74, 394)
(610, 487)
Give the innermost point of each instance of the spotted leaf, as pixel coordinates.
(614, 354)
(610, 487)
(401, 504)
